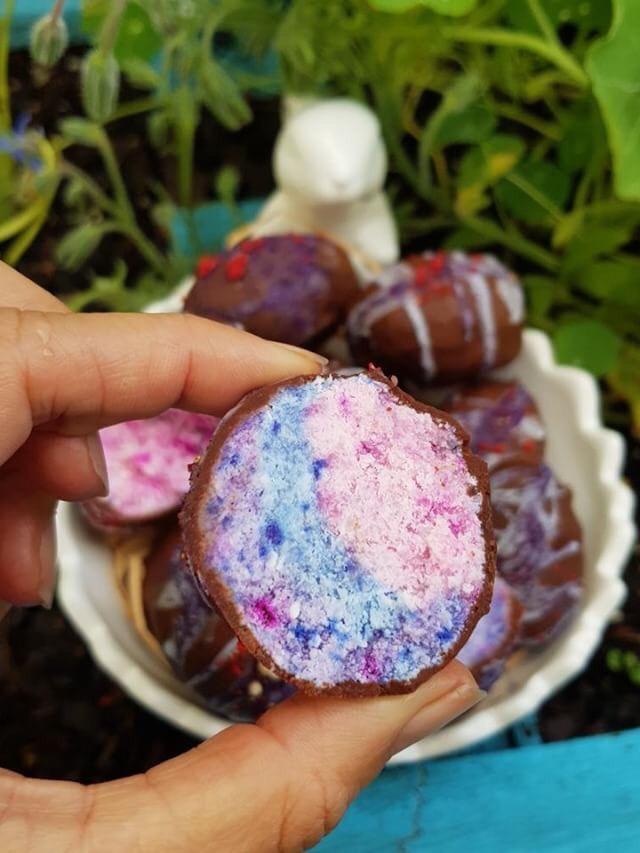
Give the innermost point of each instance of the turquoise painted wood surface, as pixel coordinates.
(580, 796)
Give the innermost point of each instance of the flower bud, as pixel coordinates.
(100, 76)
(48, 40)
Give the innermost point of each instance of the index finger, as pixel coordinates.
(82, 372)
(17, 291)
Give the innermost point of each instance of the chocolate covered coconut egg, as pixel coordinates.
(502, 420)
(439, 317)
(148, 467)
(292, 288)
(343, 530)
(494, 638)
(539, 545)
(199, 645)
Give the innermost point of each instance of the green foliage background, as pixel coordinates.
(512, 125)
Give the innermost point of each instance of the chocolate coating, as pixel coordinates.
(286, 535)
(539, 546)
(439, 317)
(502, 420)
(291, 288)
(199, 645)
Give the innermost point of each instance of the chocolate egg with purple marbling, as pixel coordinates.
(292, 288)
(502, 420)
(494, 638)
(439, 317)
(342, 528)
(539, 544)
(197, 642)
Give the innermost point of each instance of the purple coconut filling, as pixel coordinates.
(148, 465)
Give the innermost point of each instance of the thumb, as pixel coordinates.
(280, 785)
(284, 783)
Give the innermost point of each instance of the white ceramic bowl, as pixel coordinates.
(584, 455)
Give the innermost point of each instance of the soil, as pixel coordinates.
(60, 717)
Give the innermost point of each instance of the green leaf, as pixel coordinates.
(454, 8)
(566, 229)
(474, 123)
(537, 188)
(99, 84)
(614, 67)
(137, 37)
(227, 182)
(140, 73)
(465, 238)
(615, 661)
(583, 138)
(79, 243)
(615, 281)
(481, 167)
(625, 381)
(81, 131)
(158, 128)
(223, 97)
(587, 344)
(74, 193)
(583, 14)
(592, 241)
(539, 290)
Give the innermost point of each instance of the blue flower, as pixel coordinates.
(19, 144)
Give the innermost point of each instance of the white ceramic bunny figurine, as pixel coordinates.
(330, 164)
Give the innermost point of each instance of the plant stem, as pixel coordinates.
(6, 164)
(5, 107)
(121, 209)
(534, 194)
(22, 242)
(514, 113)
(115, 177)
(109, 31)
(133, 108)
(419, 227)
(58, 7)
(185, 136)
(542, 21)
(92, 188)
(555, 54)
(515, 242)
(149, 252)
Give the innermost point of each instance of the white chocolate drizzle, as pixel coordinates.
(479, 287)
(510, 293)
(420, 325)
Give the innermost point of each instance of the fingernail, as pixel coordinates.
(438, 714)
(5, 607)
(47, 566)
(320, 360)
(96, 454)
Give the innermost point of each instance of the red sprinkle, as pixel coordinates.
(206, 264)
(436, 263)
(236, 266)
(492, 448)
(528, 445)
(421, 274)
(252, 245)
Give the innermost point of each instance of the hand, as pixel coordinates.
(278, 785)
